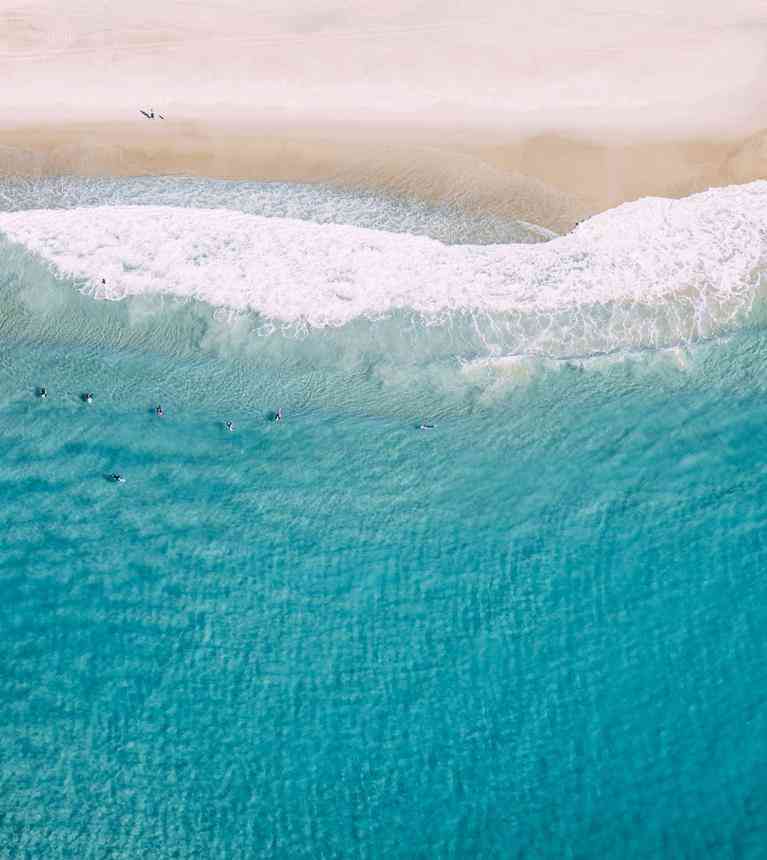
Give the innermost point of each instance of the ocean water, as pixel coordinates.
(537, 630)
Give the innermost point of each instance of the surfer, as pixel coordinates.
(278, 415)
(426, 427)
(158, 411)
(88, 397)
(230, 426)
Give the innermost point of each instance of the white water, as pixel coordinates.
(646, 273)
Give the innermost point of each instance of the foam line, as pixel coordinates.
(648, 272)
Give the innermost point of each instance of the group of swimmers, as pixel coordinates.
(116, 477)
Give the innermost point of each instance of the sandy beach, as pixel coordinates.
(546, 115)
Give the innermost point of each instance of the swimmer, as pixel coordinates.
(158, 411)
(230, 426)
(278, 415)
(117, 478)
(88, 397)
(426, 427)
(43, 393)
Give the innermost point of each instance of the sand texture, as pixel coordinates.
(545, 113)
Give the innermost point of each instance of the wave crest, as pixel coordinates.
(645, 274)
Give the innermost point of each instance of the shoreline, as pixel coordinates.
(545, 114)
(550, 179)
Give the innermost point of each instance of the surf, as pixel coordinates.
(648, 274)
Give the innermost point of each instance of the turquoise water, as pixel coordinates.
(535, 631)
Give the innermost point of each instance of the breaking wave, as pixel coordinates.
(647, 274)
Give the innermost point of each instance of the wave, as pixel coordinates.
(318, 203)
(646, 274)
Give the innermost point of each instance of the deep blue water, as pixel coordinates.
(535, 631)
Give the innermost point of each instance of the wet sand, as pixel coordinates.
(548, 179)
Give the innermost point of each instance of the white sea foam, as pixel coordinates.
(647, 273)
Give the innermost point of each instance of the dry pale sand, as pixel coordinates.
(545, 114)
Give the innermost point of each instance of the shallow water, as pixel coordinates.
(536, 630)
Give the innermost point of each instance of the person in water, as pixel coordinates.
(88, 397)
(117, 478)
(158, 411)
(278, 415)
(230, 426)
(43, 392)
